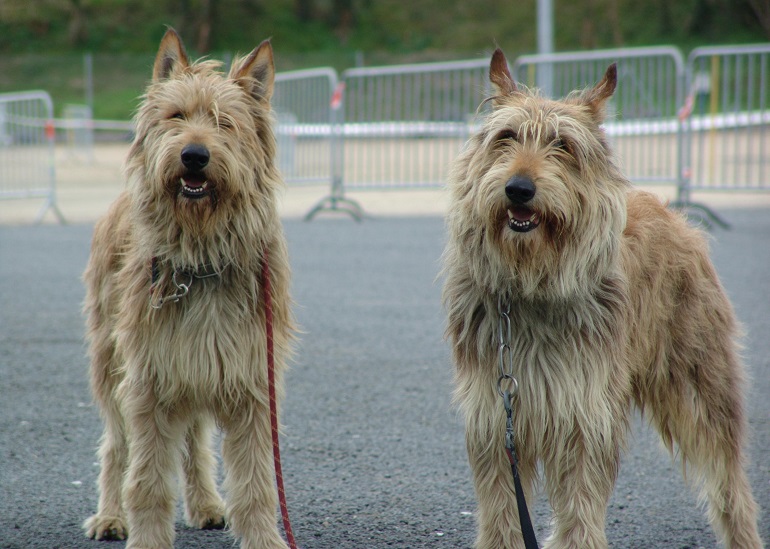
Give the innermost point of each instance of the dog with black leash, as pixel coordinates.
(575, 296)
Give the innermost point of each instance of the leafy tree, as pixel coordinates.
(440, 26)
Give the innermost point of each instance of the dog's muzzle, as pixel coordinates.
(195, 157)
(520, 190)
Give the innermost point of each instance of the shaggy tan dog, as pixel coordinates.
(174, 307)
(612, 300)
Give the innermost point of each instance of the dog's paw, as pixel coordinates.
(213, 523)
(208, 518)
(106, 528)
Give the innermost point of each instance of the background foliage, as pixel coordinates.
(302, 25)
(42, 42)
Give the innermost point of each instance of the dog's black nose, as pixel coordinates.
(195, 157)
(520, 188)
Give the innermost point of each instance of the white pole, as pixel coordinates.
(545, 44)
(544, 26)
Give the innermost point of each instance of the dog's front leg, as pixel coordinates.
(109, 522)
(580, 475)
(155, 440)
(249, 477)
(498, 518)
(204, 507)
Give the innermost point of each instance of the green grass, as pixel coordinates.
(118, 80)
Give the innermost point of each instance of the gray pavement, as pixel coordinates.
(373, 451)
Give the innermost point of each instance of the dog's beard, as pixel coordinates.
(558, 256)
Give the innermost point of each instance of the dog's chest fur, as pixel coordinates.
(557, 340)
(204, 346)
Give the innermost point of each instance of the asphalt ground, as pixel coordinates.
(373, 451)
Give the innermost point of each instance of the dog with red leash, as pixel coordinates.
(176, 307)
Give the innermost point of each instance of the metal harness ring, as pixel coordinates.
(514, 385)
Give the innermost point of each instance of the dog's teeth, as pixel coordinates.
(196, 190)
(510, 215)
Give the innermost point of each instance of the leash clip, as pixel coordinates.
(508, 405)
(181, 290)
(505, 367)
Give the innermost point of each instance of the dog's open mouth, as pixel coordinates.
(521, 219)
(194, 185)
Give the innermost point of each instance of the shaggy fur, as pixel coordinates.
(613, 302)
(200, 205)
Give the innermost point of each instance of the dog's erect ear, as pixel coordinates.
(499, 74)
(171, 56)
(597, 97)
(256, 72)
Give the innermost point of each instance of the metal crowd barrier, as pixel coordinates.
(405, 124)
(309, 133)
(641, 122)
(727, 119)
(301, 102)
(704, 125)
(397, 126)
(27, 137)
(79, 130)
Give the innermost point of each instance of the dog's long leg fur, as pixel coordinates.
(689, 378)
(703, 418)
(249, 477)
(204, 507)
(150, 486)
(498, 518)
(580, 478)
(109, 522)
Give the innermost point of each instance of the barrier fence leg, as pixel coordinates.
(50, 204)
(337, 202)
(700, 212)
(703, 214)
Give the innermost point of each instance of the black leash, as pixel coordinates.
(506, 377)
(527, 531)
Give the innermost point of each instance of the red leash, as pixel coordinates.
(273, 407)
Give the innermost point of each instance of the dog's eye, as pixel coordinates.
(562, 145)
(507, 135)
(177, 115)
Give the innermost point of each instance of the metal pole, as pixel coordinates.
(88, 130)
(545, 44)
(88, 69)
